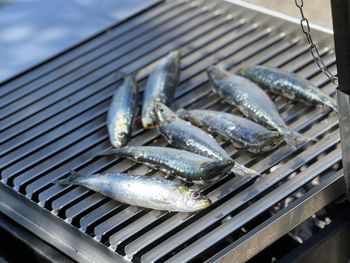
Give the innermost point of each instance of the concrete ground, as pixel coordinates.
(317, 11)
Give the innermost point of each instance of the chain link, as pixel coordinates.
(305, 27)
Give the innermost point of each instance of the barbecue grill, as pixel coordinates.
(54, 119)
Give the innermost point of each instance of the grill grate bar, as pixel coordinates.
(98, 215)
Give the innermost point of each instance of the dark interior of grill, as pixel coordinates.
(54, 119)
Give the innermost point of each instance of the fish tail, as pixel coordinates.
(73, 179)
(293, 139)
(241, 170)
(332, 103)
(182, 113)
(111, 152)
(242, 72)
(122, 74)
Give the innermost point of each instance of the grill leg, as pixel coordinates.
(341, 27)
(344, 123)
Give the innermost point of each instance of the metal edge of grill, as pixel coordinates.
(55, 226)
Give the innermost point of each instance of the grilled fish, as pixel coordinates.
(185, 165)
(243, 133)
(141, 191)
(122, 111)
(185, 136)
(288, 85)
(160, 86)
(252, 101)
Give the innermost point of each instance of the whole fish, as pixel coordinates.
(185, 165)
(288, 85)
(185, 136)
(160, 86)
(141, 191)
(122, 111)
(252, 101)
(243, 133)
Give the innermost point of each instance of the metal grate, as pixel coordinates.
(53, 119)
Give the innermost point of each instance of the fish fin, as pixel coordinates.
(221, 66)
(185, 50)
(175, 106)
(73, 179)
(241, 72)
(303, 138)
(181, 113)
(241, 170)
(293, 139)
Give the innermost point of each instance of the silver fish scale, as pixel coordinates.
(54, 119)
(242, 132)
(185, 165)
(288, 85)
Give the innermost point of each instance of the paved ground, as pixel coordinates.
(317, 11)
(33, 30)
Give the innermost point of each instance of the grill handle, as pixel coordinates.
(341, 28)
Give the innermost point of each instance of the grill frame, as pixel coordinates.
(66, 236)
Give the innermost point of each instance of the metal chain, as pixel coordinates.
(305, 27)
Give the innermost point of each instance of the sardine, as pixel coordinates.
(160, 86)
(141, 191)
(243, 133)
(185, 165)
(252, 101)
(122, 111)
(288, 85)
(185, 136)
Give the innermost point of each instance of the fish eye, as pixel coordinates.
(195, 195)
(121, 134)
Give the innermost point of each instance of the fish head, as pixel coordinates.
(120, 134)
(163, 113)
(119, 140)
(191, 200)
